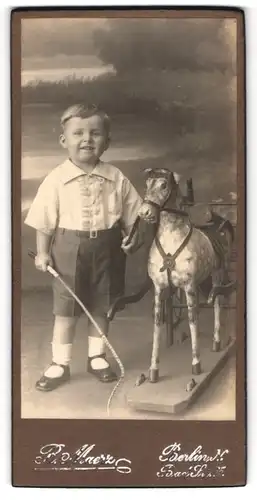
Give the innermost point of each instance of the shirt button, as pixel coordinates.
(86, 212)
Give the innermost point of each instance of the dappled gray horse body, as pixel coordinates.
(183, 256)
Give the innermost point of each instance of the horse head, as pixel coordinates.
(161, 189)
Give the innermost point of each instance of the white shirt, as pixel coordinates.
(72, 199)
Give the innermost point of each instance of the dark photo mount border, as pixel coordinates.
(126, 438)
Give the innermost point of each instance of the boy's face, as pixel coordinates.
(85, 139)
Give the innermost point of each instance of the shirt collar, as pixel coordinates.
(70, 171)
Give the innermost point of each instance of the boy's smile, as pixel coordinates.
(85, 139)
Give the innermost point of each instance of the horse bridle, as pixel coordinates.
(168, 259)
(161, 208)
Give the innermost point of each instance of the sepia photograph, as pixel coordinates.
(129, 192)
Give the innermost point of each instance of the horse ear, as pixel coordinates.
(147, 171)
(163, 171)
(177, 177)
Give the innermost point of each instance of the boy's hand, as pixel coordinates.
(42, 260)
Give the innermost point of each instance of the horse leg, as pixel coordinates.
(154, 368)
(216, 335)
(216, 280)
(192, 307)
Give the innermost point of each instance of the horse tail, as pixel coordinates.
(223, 224)
(227, 226)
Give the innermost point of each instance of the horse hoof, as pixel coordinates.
(196, 369)
(141, 379)
(154, 375)
(190, 386)
(229, 340)
(216, 346)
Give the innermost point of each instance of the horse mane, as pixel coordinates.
(158, 172)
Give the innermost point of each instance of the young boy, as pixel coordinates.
(83, 213)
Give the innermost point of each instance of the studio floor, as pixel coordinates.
(86, 398)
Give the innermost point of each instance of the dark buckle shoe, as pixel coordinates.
(102, 374)
(47, 384)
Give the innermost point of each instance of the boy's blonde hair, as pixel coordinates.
(85, 111)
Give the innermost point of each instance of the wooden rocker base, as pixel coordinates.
(177, 388)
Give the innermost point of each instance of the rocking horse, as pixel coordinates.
(186, 256)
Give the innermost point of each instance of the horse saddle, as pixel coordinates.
(214, 226)
(200, 215)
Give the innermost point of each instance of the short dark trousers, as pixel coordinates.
(92, 265)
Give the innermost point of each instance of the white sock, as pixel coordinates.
(96, 347)
(61, 355)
